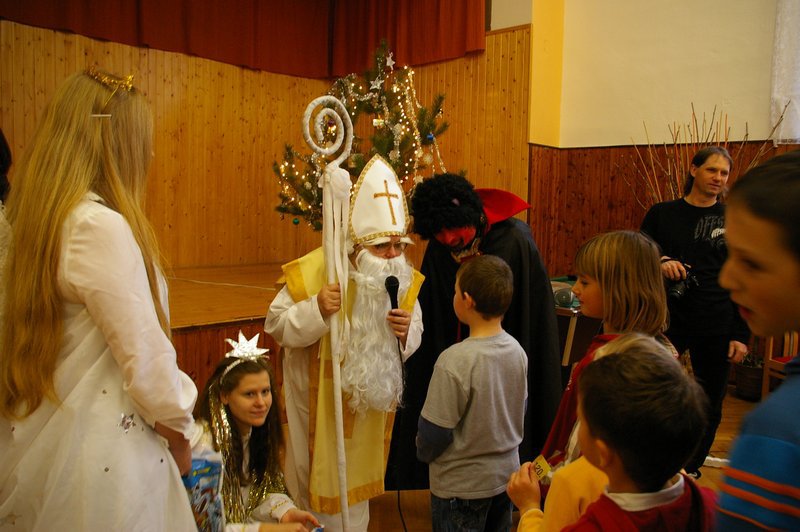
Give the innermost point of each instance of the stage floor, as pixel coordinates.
(206, 296)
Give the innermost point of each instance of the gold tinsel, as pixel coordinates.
(235, 511)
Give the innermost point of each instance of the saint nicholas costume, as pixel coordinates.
(378, 211)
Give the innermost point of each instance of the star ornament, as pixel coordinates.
(244, 348)
(376, 84)
(127, 422)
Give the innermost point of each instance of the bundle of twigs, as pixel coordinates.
(659, 170)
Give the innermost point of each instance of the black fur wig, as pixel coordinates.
(445, 201)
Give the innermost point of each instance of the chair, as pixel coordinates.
(776, 357)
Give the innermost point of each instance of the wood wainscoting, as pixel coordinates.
(576, 193)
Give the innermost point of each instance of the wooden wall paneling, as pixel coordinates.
(173, 181)
(456, 143)
(547, 197)
(251, 118)
(579, 192)
(476, 140)
(480, 103)
(478, 149)
(500, 94)
(40, 69)
(519, 106)
(481, 146)
(164, 208)
(288, 121)
(212, 192)
(28, 90)
(462, 140)
(7, 97)
(200, 349)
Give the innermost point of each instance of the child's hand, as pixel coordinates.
(295, 515)
(282, 527)
(329, 299)
(178, 447)
(523, 488)
(295, 519)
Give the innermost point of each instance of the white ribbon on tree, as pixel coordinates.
(335, 183)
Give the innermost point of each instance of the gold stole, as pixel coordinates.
(367, 437)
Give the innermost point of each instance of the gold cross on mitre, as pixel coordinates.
(388, 195)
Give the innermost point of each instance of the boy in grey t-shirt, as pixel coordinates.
(472, 422)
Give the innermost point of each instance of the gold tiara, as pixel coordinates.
(111, 82)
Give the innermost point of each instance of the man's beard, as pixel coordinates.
(372, 372)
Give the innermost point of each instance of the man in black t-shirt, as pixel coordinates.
(703, 319)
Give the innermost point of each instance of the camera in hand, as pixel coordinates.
(678, 289)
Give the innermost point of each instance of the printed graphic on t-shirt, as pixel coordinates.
(711, 229)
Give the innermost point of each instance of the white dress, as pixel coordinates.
(94, 462)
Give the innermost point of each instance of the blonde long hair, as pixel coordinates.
(626, 265)
(73, 151)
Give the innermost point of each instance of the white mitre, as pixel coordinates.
(378, 209)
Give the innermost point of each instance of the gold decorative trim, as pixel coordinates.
(111, 82)
(354, 193)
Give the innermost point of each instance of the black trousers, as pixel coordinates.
(709, 356)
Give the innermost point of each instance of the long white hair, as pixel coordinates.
(372, 373)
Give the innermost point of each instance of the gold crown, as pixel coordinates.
(110, 81)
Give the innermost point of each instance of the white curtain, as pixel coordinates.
(786, 72)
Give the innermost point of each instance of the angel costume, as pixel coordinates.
(93, 462)
(265, 503)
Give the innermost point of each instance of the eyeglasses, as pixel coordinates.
(400, 247)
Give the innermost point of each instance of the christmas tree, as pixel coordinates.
(403, 132)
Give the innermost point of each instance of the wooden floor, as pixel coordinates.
(205, 296)
(415, 505)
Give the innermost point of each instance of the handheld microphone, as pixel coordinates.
(392, 284)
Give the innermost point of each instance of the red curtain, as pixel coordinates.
(308, 38)
(417, 31)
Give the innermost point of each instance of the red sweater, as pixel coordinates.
(567, 415)
(694, 510)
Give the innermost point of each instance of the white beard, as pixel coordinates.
(372, 372)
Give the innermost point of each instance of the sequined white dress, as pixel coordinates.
(94, 462)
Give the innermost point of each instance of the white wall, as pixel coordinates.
(510, 13)
(629, 61)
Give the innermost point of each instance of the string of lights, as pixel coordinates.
(403, 132)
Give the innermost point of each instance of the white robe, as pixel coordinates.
(94, 462)
(297, 327)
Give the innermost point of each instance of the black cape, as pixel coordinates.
(531, 319)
